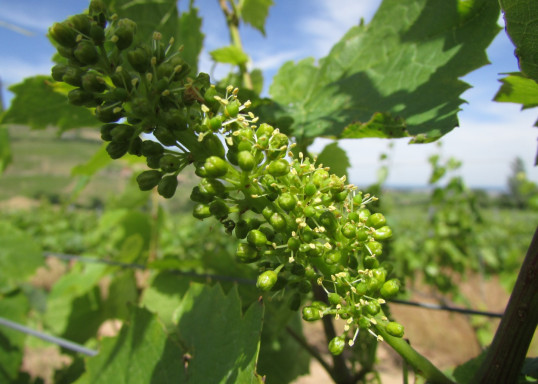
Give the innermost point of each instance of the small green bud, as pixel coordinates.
(148, 180)
(246, 253)
(201, 211)
(122, 132)
(167, 186)
(63, 34)
(382, 233)
(231, 109)
(139, 58)
(91, 82)
(169, 163)
(80, 97)
(287, 201)
(151, 148)
(337, 345)
(311, 313)
(256, 238)
(394, 329)
(267, 280)
(73, 76)
(219, 209)
(58, 71)
(390, 289)
(125, 33)
(278, 168)
(86, 53)
(117, 149)
(246, 161)
(215, 167)
(377, 220)
(97, 33)
(349, 230)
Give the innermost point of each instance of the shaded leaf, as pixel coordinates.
(521, 18)
(20, 256)
(406, 62)
(254, 12)
(230, 55)
(282, 359)
(164, 294)
(38, 105)
(142, 353)
(381, 125)
(14, 308)
(212, 328)
(336, 158)
(162, 16)
(122, 293)
(516, 88)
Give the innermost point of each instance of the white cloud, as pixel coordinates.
(269, 60)
(13, 70)
(332, 19)
(34, 21)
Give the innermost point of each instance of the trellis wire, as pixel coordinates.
(239, 280)
(90, 352)
(52, 339)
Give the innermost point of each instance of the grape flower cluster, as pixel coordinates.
(306, 229)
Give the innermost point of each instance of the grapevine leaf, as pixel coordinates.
(164, 294)
(381, 125)
(257, 80)
(230, 55)
(282, 359)
(20, 256)
(38, 104)
(121, 292)
(336, 158)
(162, 16)
(141, 353)
(5, 149)
(201, 318)
(14, 308)
(516, 88)
(407, 62)
(99, 160)
(254, 12)
(521, 18)
(74, 303)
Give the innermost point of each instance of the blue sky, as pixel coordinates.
(490, 136)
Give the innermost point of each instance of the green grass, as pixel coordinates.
(42, 164)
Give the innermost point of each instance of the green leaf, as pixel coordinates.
(14, 308)
(336, 158)
(516, 88)
(97, 162)
(254, 12)
(256, 75)
(163, 16)
(5, 149)
(521, 18)
(39, 103)
(407, 63)
(74, 306)
(164, 294)
(282, 359)
(212, 329)
(381, 125)
(121, 293)
(230, 55)
(20, 256)
(142, 353)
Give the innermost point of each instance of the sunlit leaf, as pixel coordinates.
(254, 12)
(13, 308)
(516, 88)
(407, 62)
(20, 256)
(230, 55)
(142, 353)
(201, 318)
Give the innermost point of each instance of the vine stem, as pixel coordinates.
(232, 21)
(506, 355)
(422, 365)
